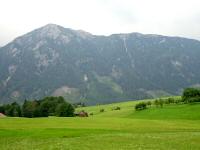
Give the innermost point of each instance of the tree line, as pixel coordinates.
(190, 95)
(48, 106)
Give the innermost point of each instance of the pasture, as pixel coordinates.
(170, 127)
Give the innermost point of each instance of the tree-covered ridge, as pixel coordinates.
(48, 106)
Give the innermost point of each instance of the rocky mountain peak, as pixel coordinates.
(54, 60)
(51, 31)
(83, 34)
(50, 25)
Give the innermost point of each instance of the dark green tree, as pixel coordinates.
(191, 95)
(12, 110)
(8, 110)
(30, 109)
(156, 103)
(161, 102)
(64, 110)
(140, 106)
(44, 109)
(16, 109)
(2, 109)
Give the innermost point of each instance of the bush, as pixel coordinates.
(170, 100)
(102, 110)
(156, 102)
(91, 114)
(159, 102)
(148, 103)
(116, 108)
(140, 106)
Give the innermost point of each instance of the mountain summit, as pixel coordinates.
(54, 60)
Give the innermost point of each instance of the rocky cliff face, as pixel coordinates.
(53, 60)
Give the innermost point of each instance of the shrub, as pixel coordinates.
(91, 114)
(140, 106)
(161, 102)
(177, 101)
(170, 100)
(148, 103)
(156, 102)
(102, 110)
(116, 108)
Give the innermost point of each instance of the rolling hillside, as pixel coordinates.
(169, 111)
(170, 127)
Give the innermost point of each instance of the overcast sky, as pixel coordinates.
(101, 17)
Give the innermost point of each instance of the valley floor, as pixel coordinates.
(111, 130)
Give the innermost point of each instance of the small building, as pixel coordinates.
(81, 114)
(2, 115)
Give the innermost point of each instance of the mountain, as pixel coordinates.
(54, 60)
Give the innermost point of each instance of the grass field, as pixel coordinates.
(170, 127)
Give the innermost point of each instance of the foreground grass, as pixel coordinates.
(98, 133)
(170, 127)
(108, 141)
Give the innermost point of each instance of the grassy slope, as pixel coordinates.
(127, 110)
(175, 112)
(160, 128)
(168, 112)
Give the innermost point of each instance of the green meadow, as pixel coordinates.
(171, 127)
